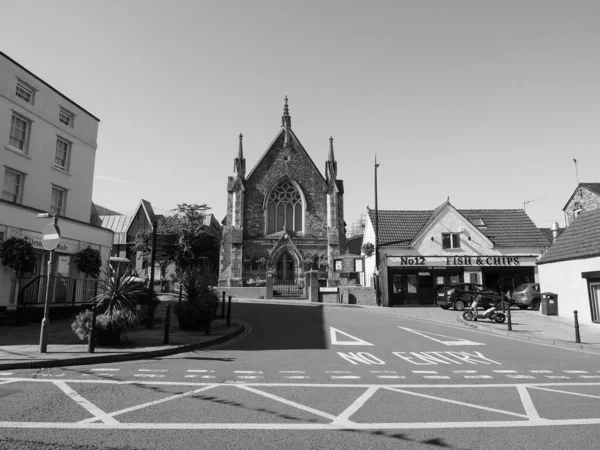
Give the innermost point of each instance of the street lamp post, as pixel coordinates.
(50, 242)
(377, 274)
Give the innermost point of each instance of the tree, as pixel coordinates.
(195, 243)
(17, 253)
(89, 261)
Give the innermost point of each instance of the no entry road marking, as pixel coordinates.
(333, 332)
(449, 341)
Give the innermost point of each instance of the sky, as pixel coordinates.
(486, 103)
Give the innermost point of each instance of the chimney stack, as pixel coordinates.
(555, 229)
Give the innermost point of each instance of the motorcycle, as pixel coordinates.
(492, 313)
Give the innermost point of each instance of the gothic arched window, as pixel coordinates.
(284, 208)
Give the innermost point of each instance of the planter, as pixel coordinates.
(108, 336)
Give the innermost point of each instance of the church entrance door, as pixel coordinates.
(287, 283)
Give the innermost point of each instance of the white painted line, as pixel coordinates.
(589, 376)
(565, 392)
(292, 371)
(247, 371)
(520, 377)
(51, 375)
(478, 376)
(250, 377)
(5, 373)
(424, 371)
(200, 376)
(201, 371)
(382, 371)
(345, 377)
(296, 377)
(450, 343)
(155, 402)
(446, 400)
(527, 403)
(6, 381)
(152, 370)
(437, 377)
(338, 371)
(558, 377)
(91, 408)
(333, 332)
(504, 371)
(148, 375)
(575, 371)
(344, 417)
(104, 374)
(390, 376)
(541, 371)
(50, 237)
(103, 369)
(464, 371)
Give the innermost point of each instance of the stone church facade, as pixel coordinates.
(284, 217)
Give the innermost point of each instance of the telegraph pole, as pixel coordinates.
(377, 275)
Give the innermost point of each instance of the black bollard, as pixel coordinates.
(92, 335)
(509, 318)
(167, 326)
(223, 307)
(229, 312)
(577, 337)
(207, 320)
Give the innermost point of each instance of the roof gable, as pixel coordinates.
(593, 187)
(581, 239)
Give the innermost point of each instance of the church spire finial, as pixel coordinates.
(241, 150)
(331, 164)
(331, 157)
(286, 120)
(239, 163)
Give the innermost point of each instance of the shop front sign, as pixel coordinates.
(461, 261)
(35, 239)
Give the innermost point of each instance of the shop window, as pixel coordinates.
(473, 278)
(595, 301)
(450, 240)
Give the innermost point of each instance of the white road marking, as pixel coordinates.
(565, 392)
(446, 400)
(450, 343)
(344, 417)
(558, 377)
(575, 371)
(201, 371)
(345, 377)
(153, 370)
(5, 373)
(200, 376)
(292, 371)
(464, 371)
(390, 376)
(338, 371)
(437, 377)
(478, 376)
(155, 402)
(527, 403)
(296, 377)
(541, 371)
(92, 409)
(104, 369)
(148, 375)
(424, 371)
(250, 377)
(504, 371)
(589, 376)
(382, 371)
(520, 377)
(105, 374)
(51, 375)
(6, 381)
(247, 371)
(333, 333)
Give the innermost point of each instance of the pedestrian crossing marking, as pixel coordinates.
(450, 341)
(352, 341)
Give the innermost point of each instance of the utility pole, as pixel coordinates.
(150, 323)
(377, 274)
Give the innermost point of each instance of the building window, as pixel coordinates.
(63, 154)
(450, 240)
(59, 200)
(24, 92)
(13, 186)
(19, 129)
(65, 117)
(284, 208)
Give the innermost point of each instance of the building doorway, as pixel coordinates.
(287, 282)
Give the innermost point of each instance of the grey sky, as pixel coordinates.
(486, 102)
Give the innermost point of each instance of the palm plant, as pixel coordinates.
(196, 282)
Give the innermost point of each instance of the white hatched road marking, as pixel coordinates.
(558, 377)
(250, 377)
(51, 375)
(345, 377)
(527, 403)
(395, 377)
(590, 376)
(382, 371)
(103, 369)
(200, 376)
(437, 377)
(201, 371)
(521, 377)
(478, 376)
(338, 371)
(541, 371)
(5, 373)
(92, 409)
(292, 371)
(247, 371)
(464, 371)
(344, 417)
(153, 370)
(296, 377)
(424, 371)
(453, 342)
(575, 371)
(504, 371)
(148, 375)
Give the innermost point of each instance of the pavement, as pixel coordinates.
(20, 345)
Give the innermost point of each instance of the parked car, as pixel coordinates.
(527, 295)
(461, 295)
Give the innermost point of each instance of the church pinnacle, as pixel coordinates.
(239, 163)
(331, 164)
(286, 119)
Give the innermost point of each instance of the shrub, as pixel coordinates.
(368, 248)
(89, 261)
(82, 324)
(18, 254)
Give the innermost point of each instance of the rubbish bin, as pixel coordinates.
(549, 305)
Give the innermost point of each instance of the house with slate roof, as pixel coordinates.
(420, 251)
(571, 268)
(586, 197)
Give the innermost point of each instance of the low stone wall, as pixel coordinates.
(358, 295)
(242, 292)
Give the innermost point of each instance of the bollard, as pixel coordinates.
(92, 335)
(167, 326)
(229, 312)
(207, 320)
(577, 337)
(509, 318)
(223, 307)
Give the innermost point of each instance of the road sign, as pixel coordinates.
(51, 236)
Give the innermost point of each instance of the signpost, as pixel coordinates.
(50, 240)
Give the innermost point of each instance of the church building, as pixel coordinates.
(283, 218)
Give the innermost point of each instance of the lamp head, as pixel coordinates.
(45, 216)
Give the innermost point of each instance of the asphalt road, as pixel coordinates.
(316, 377)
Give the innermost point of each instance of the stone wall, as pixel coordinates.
(588, 201)
(242, 292)
(358, 295)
